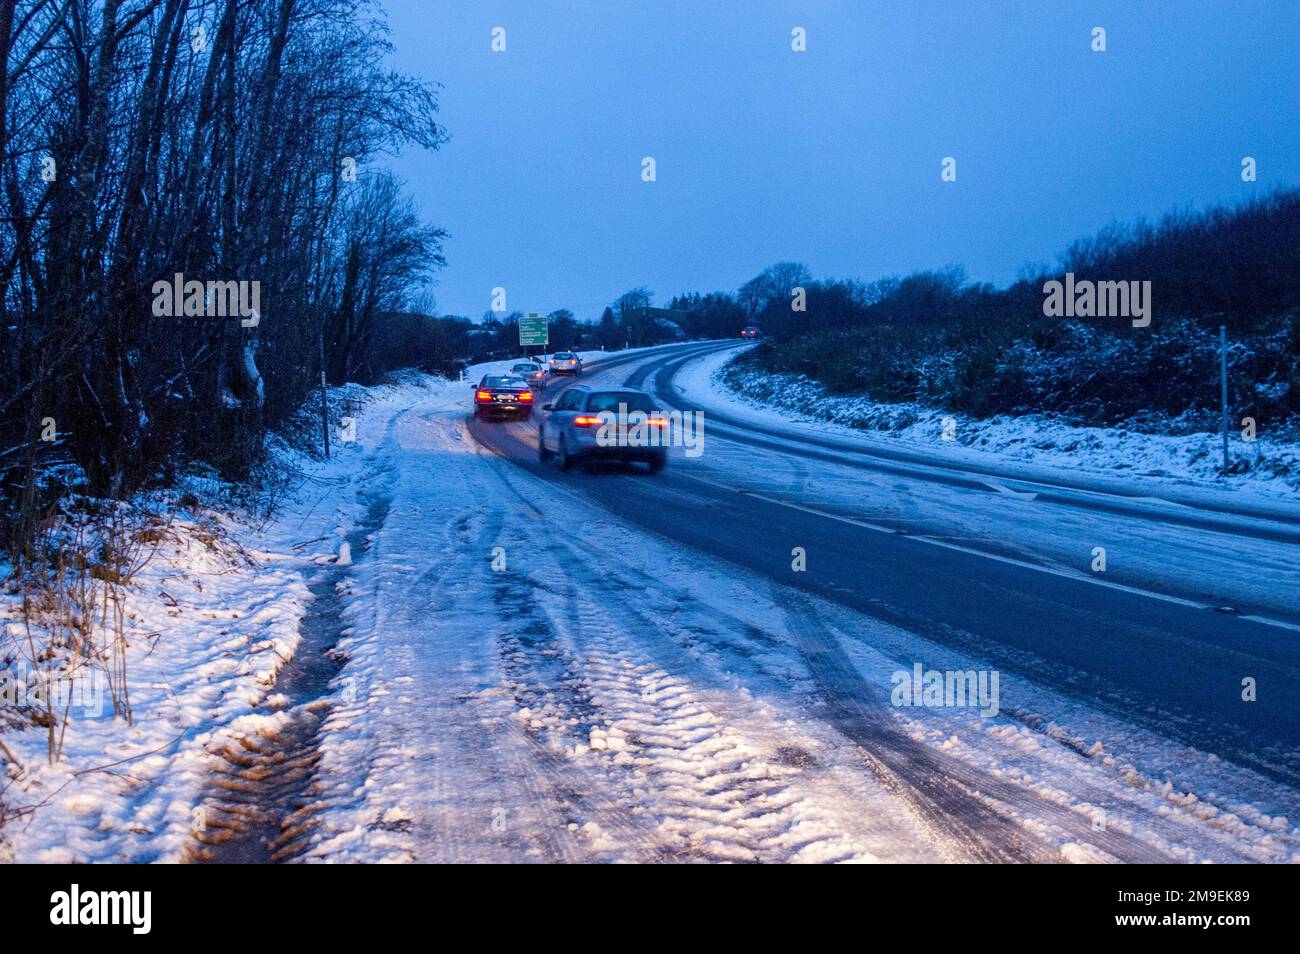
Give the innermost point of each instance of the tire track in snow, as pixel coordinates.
(709, 793)
(953, 797)
(554, 715)
(714, 794)
(558, 730)
(472, 760)
(410, 648)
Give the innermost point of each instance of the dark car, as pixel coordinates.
(503, 395)
(751, 333)
(607, 424)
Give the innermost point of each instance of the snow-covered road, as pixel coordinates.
(596, 666)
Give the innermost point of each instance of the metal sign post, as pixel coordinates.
(324, 399)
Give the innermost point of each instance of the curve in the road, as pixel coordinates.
(1278, 523)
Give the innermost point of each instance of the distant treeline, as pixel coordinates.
(934, 338)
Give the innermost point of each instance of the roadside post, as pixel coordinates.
(1223, 388)
(324, 401)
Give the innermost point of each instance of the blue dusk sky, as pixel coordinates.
(830, 157)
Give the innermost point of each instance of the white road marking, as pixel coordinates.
(1076, 575)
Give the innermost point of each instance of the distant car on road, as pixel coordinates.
(531, 372)
(751, 332)
(578, 427)
(500, 395)
(566, 362)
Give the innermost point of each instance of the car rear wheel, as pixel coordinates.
(565, 459)
(657, 463)
(542, 453)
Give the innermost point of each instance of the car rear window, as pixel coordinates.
(502, 381)
(610, 400)
(565, 355)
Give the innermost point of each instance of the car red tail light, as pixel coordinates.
(583, 420)
(657, 421)
(526, 396)
(482, 395)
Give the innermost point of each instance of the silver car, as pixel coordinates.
(566, 362)
(603, 424)
(531, 372)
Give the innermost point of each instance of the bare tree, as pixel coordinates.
(221, 140)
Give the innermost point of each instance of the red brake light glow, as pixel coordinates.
(657, 421)
(483, 395)
(526, 396)
(583, 420)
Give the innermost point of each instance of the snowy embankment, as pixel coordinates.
(208, 623)
(1032, 440)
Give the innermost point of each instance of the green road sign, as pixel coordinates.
(532, 331)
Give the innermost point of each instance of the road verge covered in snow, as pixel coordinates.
(119, 686)
(148, 651)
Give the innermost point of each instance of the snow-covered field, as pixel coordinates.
(1036, 440)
